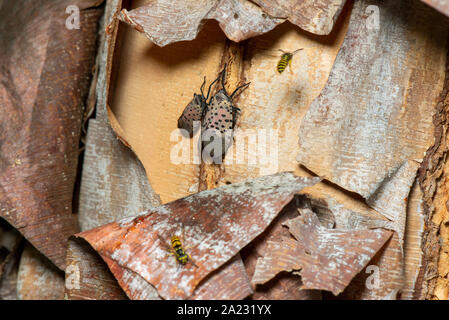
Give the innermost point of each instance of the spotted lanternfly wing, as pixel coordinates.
(219, 121)
(193, 112)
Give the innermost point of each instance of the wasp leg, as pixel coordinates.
(170, 254)
(191, 260)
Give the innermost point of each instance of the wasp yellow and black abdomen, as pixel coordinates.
(283, 62)
(183, 259)
(176, 248)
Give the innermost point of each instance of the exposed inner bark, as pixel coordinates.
(433, 178)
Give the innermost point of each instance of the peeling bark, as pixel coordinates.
(87, 276)
(373, 114)
(440, 5)
(165, 22)
(383, 278)
(38, 278)
(432, 279)
(284, 286)
(215, 223)
(327, 259)
(317, 17)
(44, 81)
(385, 185)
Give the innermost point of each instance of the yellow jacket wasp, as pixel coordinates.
(177, 250)
(286, 59)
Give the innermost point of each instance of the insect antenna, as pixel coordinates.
(297, 50)
(223, 76)
(242, 86)
(210, 86)
(202, 86)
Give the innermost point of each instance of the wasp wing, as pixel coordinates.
(164, 244)
(192, 261)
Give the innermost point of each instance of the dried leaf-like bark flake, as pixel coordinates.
(45, 70)
(215, 224)
(328, 259)
(315, 16)
(168, 21)
(375, 112)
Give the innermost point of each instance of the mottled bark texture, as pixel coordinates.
(326, 259)
(44, 79)
(38, 278)
(216, 224)
(440, 5)
(371, 126)
(87, 276)
(367, 132)
(168, 21)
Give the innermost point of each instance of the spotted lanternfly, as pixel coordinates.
(195, 109)
(286, 59)
(219, 121)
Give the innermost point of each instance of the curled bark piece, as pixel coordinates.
(440, 5)
(38, 278)
(242, 19)
(384, 272)
(165, 21)
(87, 277)
(11, 246)
(216, 224)
(114, 184)
(168, 21)
(413, 253)
(230, 282)
(374, 113)
(317, 17)
(390, 199)
(328, 259)
(284, 286)
(46, 64)
(383, 275)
